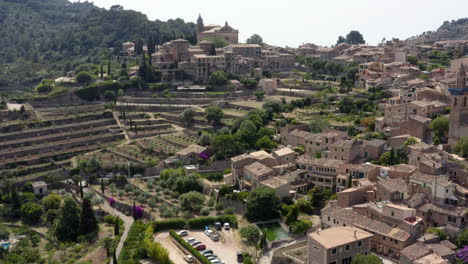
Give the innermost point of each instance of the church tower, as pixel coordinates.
(458, 126)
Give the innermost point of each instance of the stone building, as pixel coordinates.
(337, 245)
(458, 125)
(226, 32)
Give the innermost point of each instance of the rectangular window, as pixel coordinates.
(452, 219)
(347, 247)
(359, 243)
(334, 251)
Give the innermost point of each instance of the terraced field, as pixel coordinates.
(60, 134)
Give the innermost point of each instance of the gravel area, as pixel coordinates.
(225, 248)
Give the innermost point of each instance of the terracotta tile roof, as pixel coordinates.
(350, 217)
(339, 235)
(393, 184)
(333, 163)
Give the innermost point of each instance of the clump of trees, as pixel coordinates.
(262, 204)
(354, 37)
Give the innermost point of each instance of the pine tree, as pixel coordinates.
(68, 221)
(102, 185)
(88, 222)
(116, 226)
(15, 200)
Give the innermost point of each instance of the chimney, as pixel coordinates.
(355, 234)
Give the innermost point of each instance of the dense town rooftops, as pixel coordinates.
(339, 235)
(393, 184)
(274, 182)
(423, 177)
(333, 163)
(348, 216)
(257, 168)
(284, 152)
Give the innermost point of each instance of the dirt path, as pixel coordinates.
(127, 138)
(128, 222)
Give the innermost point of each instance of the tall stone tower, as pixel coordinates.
(458, 126)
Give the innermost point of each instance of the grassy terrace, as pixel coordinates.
(158, 144)
(133, 152)
(252, 104)
(181, 139)
(55, 155)
(23, 142)
(64, 111)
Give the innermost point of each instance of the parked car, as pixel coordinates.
(195, 243)
(138, 175)
(207, 251)
(207, 254)
(109, 175)
(227, 226)
(215, 237)
(200, 247)
(212, 257)
(218, 226)
(189, 258)
(182, 233)
(190, 240)
(240, 257)
(209, 232)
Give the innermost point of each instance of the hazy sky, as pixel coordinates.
(293, 22)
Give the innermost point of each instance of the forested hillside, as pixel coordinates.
(45, 38)
(454, 30)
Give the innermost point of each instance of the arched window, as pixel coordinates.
(454, 101)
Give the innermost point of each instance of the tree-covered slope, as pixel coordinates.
(45, 38)
(454, 30)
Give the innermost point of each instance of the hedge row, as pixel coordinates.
(169, 224)
(194, 223)
(201, 222)
(193, 251)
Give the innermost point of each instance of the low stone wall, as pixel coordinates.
(60, 129)
(55, 137)
(62, 146)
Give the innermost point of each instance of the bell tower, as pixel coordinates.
(458, 124)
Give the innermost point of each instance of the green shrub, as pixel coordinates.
(205, 211)
(187, 246)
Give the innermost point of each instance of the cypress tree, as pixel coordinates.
(116, 225)
(102, 71)
(134, 211)
(15, 200)
(114, 258)
(102, 185)
(350, 180)
(81, 190)
(108, 67)
(88, 222)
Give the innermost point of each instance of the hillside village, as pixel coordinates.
(218, 151)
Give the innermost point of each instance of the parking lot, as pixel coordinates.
(225, 248)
